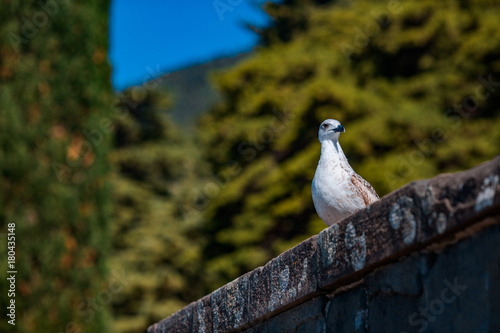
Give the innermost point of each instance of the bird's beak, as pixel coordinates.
(339, 128)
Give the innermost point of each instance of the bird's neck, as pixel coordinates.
(331, 153)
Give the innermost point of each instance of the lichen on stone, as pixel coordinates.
(487, 193)
(400, 215)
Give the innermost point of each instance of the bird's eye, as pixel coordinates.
(324, 125)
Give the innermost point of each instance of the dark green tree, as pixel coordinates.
(415, 83)
(55, 131)
(155, 166)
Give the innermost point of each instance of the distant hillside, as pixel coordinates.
(191, 89)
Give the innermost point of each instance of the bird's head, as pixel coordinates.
(330, 129)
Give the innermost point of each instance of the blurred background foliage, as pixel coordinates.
(154, 168)
(55, 125)
(155, 214)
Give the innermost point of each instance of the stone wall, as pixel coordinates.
(425, 258)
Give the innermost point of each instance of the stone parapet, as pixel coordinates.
(426, 215)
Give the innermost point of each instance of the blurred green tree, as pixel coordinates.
(416, 84)
(55, 125)
(155, 166)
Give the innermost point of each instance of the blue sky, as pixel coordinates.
(153, 37)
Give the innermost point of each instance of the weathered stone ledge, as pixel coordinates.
(403, 221)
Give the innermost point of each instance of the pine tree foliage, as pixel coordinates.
(55, 125)
(416, 84)
(155, 166)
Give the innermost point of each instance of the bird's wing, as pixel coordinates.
(365, 189)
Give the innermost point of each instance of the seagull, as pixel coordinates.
(337, 190)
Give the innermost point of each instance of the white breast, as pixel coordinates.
(334, 195)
